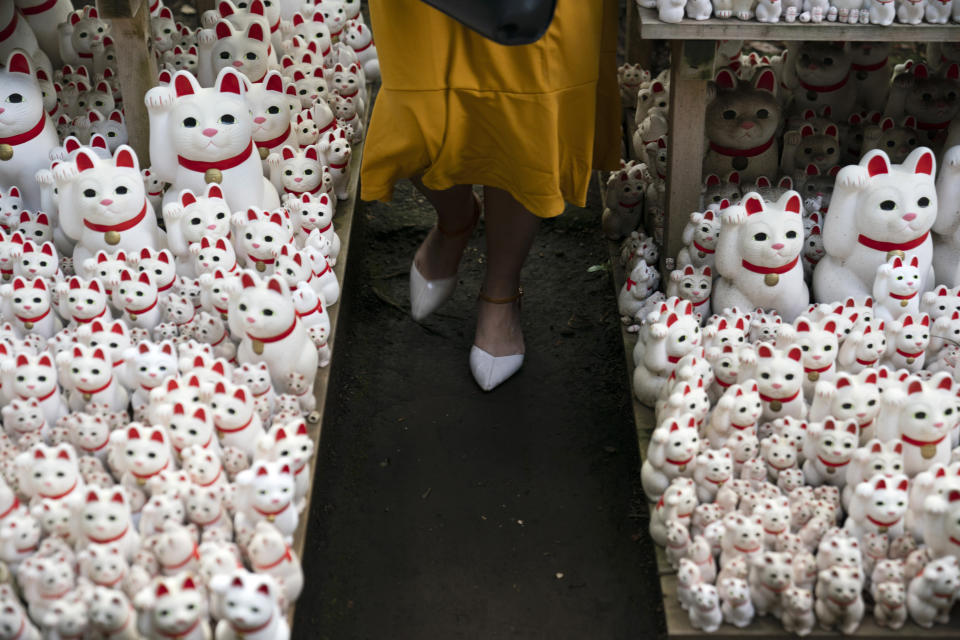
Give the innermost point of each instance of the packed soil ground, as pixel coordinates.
(440, 511)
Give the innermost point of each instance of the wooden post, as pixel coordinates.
(136, 67)
(690, 66)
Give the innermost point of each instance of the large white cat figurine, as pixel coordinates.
(758, 256)
(199, 136)
(27, 135)
(878, 210)
(103, 204)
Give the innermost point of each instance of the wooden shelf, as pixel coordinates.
(343, 224)
(652, 28)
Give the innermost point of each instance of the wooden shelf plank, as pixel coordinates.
(343, 224)
(652, 28)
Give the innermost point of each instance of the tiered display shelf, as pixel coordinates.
(692, 66)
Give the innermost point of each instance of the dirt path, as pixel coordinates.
(441, 512)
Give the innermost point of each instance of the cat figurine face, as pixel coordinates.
(822, 150)
(896, 140)
(105, 266)
(293, 267)
(310, 87)
(705, 232)
(216, 255)
(693, 284)
(89, 434)
(822, 70)
(144, 451)
(775, 236)
(346, 80)
(23, 416)
(87, 368)
(779, 375)
(97, 99)
(250, 602)
(111, 336)
(272, 486)
(933, 98)
(105, 516)
(35, 227)
(312, 212)
(214, 291)
(160, 265)
(850, 397)
(183, 58)
(11, 206)
(190, 426)
(334, 15)
(52, 472)
(88, 29)
(307, 131)
(345, 109)
(246, 50)
(258, 234)
(908, 339)
(30, 302)
(313, 29)
(163, 30)
(884, 502)
(897, 285)
(819, 344)
(300, 171)
(112, 127)
(175, 607)
(204, 216)
(34, 376)
(742, 116)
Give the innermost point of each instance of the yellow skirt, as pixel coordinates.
(456, 108)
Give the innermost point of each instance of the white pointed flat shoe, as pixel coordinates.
(490, 371)
(426, 296)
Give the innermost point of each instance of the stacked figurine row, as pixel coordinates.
(190, 295)
(878, 12)
(787, 121)
(801, 359)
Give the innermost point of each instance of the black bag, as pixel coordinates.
(509, 22)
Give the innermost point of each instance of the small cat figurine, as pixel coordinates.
(700, 238)
(348, 112)
(89, 376)
(251, 607)
(185, 119)
(878, 506)
(933, 115)
(298, 171)
(693, 284)
(290, 443)
(758, 256)
(192, 218)
(279, 339)
(265, 492)
(234, 415)
(270, 555)
(821, 71)
(139, 453)
(742, 119)
(272, 118)
(258, 235)
(213, 256)
(34, 376)
(311, 214)
(336, 152)
(358, 37)
(173, 607)
(224, 47)
(27, 135)
(29, 307)
(104, 520)
(50, 473)
(896, 287)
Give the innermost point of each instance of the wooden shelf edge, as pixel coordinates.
(652, 28)
(343, 224)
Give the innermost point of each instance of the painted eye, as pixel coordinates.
(268, 312)
(729, 114)
(251, 55)
(189, 123)
(920, 415)
(15, 98)
(242, 307)
(121, 190)
(791, 234)
(760, 237)
(923, 202)
(224, 55)
(888, 205)
(89, 193)
(227, 119)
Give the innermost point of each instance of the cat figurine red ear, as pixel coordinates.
(747, 142)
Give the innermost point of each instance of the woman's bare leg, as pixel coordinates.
(439, 255)
(510, 230)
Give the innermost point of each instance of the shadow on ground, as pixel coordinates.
(442, 512)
